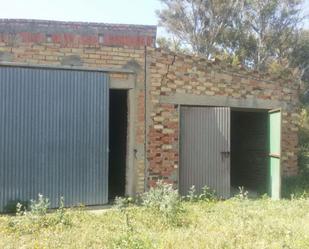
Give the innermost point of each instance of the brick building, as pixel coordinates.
(168, 116)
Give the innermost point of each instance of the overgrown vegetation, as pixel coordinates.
(165, 201)
(207, 194)
(298, 186)
(202, 222)
(161, 219)
(32, 219)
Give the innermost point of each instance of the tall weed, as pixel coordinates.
(37, 217)
(164, 200)
(206, 194)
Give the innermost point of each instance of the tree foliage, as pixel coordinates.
(172, 44)
(257, 32)
(300, 56)
(199, 24)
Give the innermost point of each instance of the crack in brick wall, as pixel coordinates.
(198, 77)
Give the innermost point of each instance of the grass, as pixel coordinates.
(236, 223)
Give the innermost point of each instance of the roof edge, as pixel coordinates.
(76, 23)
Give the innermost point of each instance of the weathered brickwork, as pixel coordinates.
(76, 33)
(290, 142)
(171, 74)
(163, 144)
(167, 74)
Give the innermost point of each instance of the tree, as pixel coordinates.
(272, 25)
(256, 31)
(300, 56)
(171, 44)
(198, 24)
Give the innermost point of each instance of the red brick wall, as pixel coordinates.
(167, 74)
(76, 33)
(163, 155)
(171, 74)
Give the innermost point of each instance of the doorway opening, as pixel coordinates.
(249, 151)
(118, 126)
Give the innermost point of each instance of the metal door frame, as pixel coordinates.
(249, 109)
(280, 148)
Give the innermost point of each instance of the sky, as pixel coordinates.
(108, 11)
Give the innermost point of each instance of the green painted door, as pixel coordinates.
(275, 153)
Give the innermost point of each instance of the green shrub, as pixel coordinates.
(242, 195)
(123, 202)
(165, 200)
(192, 194)
(132, 240)
(37, 218)
(296, 186)
(11, 206)
(61, 214)
(40, 206)
(303, 154)
(207, 194)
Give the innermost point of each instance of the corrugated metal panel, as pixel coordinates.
(204, 149)
(53, 135)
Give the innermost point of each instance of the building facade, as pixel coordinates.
(170, 116)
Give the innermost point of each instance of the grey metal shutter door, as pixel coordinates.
(204, 149)
(53, 135)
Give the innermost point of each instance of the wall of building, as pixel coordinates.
(77, 33)
(188, 80)
(171, 80)
(96, 57)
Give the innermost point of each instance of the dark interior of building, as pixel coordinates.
(249, 151)
(118, 123)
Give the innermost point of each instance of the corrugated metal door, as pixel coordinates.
(53, 135)
(205, 149)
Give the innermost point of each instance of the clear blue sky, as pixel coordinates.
(110, 11)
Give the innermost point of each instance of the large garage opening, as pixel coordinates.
(249, 151)
(118, 124)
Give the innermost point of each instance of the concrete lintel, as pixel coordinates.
(61, 67)
(122, 84)
(252, 102)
